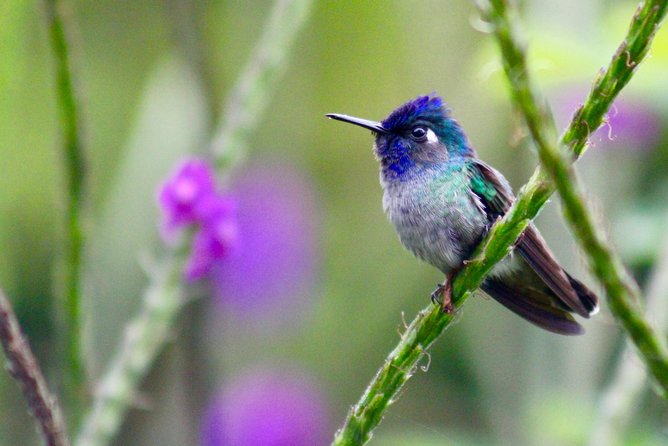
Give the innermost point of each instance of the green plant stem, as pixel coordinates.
(624, 296)
(619, 400)
(429, 324)
(73, 152)
(146, 335)
(645, 23)
(257, 81)
(143, 339)
(23, 366)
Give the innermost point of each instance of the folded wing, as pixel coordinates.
(547, 303)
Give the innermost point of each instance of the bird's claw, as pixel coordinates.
(442, 296)
(437, 295)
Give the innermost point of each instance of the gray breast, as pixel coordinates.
(436, 216)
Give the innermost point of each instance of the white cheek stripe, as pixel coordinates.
(431, 136)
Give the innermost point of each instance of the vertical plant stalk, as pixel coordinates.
(75, 172)
(429, 324)
(23, 366)
(624, 296)
(146, 335)
(256, 82)
(619, 400)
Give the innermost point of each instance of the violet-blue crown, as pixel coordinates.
(430, 109)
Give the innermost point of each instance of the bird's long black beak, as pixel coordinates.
(371, 125)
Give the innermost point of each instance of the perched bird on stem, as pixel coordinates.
(442, 200)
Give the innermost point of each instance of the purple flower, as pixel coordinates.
(216, 237)
(183, 191)
(630, 124)
(277, 235)
(267, 408)
(189, 197)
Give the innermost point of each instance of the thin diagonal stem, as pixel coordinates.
(623, 293)
(23, 366)
(429, 324)
(618, 402)
(645, 23)
(75, 171)
(162, 301)
(143, 339)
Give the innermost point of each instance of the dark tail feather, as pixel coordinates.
(587, 296)
(570, 291)
(533, 305)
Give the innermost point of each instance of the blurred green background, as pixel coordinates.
(155, 75)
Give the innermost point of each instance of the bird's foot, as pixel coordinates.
(437, 295)
(442, 296)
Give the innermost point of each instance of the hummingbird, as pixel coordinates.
(442, 199)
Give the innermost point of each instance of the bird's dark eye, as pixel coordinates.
(419, 133)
